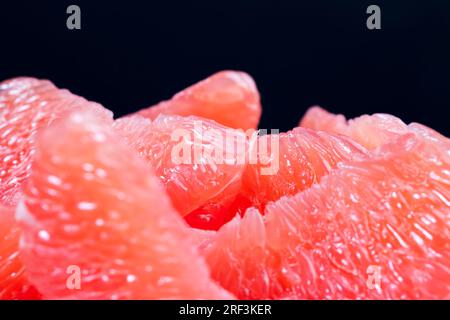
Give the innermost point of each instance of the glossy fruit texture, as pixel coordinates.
(307, 214)
(13, 280)
(26, 106)
(389, 212)
(93, 204)
(199, 161)
(288, 163)
(228, 97)
(279, 165)
(369, 130)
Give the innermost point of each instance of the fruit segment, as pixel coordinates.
(388, 214)
(26, 106)
(369, 130)
(287, 163)
(13, 280)
(93, 209)
(198, 161)
(104, 209)
(228, 97)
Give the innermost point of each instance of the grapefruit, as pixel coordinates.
(199, 161)
(228, 97)
(359, 210)
(388, 213)
(288, 163)
(92, 205)
(13, 281)
(26, 106)
(369, 130)
(279, 165)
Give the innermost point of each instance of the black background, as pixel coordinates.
(131, 54)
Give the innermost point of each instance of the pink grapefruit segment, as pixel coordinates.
(290, 162)
(26, 106)
(197, 160)
(13, 280)
(278, 165)
(369, 130)
(228, 97)
(388, 213)
(92, 204)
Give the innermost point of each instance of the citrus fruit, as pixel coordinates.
(26, 106)
(287, 163)
(388, 213)
(198, 161)
(228, 97)
(369, 130)
(334, 209)
(13, 280)
(92, 205)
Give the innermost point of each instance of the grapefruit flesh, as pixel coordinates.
(87, 208)
(278, 165)
(228, 97)
(366, 195)
(369, 130)
(388, 213)
(198, 161)
(26, 106)
(13, 281)
(288, 163)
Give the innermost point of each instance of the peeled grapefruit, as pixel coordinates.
(228, 97)
(199, 161)
(92, 205)
(369, 130)
(26, 106)
(13, 280)
(288, 163)
(388, 213)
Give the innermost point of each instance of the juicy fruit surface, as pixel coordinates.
(291, 162)
(13, 280)
(370, 131)
(228, 97)
(391, 211)
(26, 106)
(305, 218)
(120, 229)
(183, 156)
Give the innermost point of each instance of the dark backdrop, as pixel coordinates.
(131, 54)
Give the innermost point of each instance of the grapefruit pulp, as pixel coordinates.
(86, 207)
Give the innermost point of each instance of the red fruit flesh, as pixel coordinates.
(279, 165)
(13, 280)
(370, 131)
(93, 204)
(291, 162)
(26, 106)
(390, 211)
(182, 152)
(228, 97)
